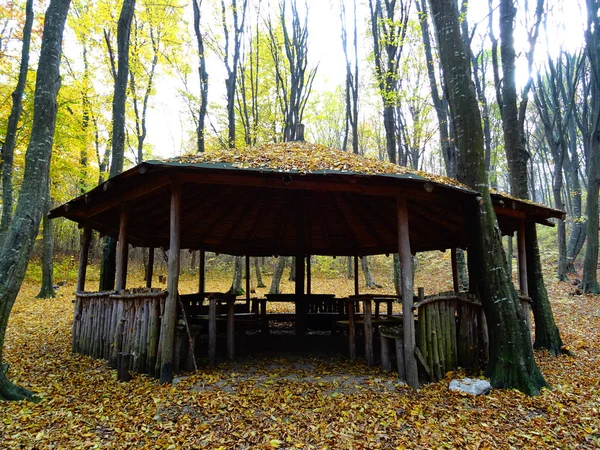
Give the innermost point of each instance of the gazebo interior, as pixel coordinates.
(290, 199)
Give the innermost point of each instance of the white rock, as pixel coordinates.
(470, 386)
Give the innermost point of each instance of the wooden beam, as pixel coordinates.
(410, 360)
(83, 258)
(170, 311)
(356, 283)
(308, 275)
(202, 274)
(150, 267)
(455, 281)
(248, 279)
(522, 259)
(122, 250)
(301, 305)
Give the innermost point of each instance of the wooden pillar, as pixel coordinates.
(202, 275)
(356, 285)
(522, 250)
(410, 360)
(122, 251)
(83, 258)
(248, 280)
(212, 331)
(301, 301)
(351, 331)
(368, 330)
(150, 267)
(167, 332)
(522, 259)
(308, 276)
(231, 329)
(455, 281)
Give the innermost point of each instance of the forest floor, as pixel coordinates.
(289, 402)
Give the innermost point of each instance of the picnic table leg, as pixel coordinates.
(263, 317)
(386, 361)
(212, 331)
(390, 308)
(351, 332)
(377, 310)
(231, 330)
(368, 326)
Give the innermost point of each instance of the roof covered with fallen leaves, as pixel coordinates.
(303, 157)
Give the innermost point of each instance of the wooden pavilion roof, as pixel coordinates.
(288, 199)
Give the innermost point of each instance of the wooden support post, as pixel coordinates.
(356, 284)
(248, 280)
(410, 360)
(123, 362)
(202, 275)
(386, 360)
(308, 276)
(212, 331)
(301, 301)
(83, 258)
(351, 331)
(231, 329)
(170, 313)
(368, 331)
(455, 281)
(264, 321)
(522, 250)
(122, 251)
(150, 267)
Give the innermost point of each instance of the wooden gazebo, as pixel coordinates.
(290, 199)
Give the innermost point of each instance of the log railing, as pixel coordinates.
(107, 324)
(452, 332)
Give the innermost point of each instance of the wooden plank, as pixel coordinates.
(368, 331)
(122, 250)
(386, 360)
(150, 267)
(212, 331)
(170, 313)
(83, 258)
(231, 330)
(351, 331)
(455, 281)
(202, 274)
(356, 283)
(410, 360)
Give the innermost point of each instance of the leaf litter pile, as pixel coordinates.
(288, 402)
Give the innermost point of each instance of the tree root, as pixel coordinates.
(11, 392)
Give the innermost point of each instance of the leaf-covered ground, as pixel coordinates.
(288, 402)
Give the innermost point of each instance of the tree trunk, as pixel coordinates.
(293, 269)
(511, 362)
(203, 77)
(577, 236)
(369, 280)
(259, 280)
(236, 285)
(277, 274)
(20, 237)
(8, 149)
(109, 246)
(47, 289)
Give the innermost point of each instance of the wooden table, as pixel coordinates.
(213, 299)
(301, 303)
(368, 322)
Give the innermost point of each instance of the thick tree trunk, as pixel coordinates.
(547, 335)
(8, 149)
(238, 271)
(369, 280)
(577, 236)
(259, 281)
(516, 155)
(203, 77)
(20, 237)
(293, 269)
(511, 362)
(109, 246)
(47, 289)
(277, 274)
